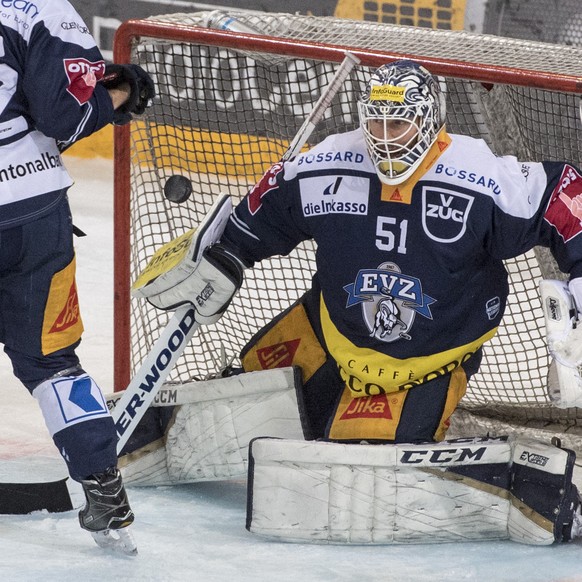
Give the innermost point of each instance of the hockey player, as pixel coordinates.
(56, 89)
(412, 225)
(401, 207)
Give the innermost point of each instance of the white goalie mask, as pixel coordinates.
(401, 113)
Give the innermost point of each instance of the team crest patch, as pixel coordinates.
(564, 211)
(445, 213)
(390, 301)
(83, 76)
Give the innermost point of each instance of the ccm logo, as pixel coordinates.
(436, 457)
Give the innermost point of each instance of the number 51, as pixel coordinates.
(387, 232)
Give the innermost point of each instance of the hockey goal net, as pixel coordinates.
(228, 105)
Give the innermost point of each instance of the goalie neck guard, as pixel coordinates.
(401, 113)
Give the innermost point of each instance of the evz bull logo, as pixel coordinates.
(444, 213)
(390, 300)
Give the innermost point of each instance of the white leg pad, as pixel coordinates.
(543, 467)
(383, 494)
(209, 440)
(147, 466)
(214, 424)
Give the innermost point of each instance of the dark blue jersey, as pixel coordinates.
(412, 276)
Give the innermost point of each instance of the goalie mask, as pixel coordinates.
(401, 113)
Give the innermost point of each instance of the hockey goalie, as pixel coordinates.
(412, 225)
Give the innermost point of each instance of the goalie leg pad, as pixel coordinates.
(373, 494)
(213, 424)
(459, 490)
(564, 385)
(543, 492)
(209, 440)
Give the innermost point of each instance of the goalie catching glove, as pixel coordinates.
(141, 90)
(561, 304)
(194, 269)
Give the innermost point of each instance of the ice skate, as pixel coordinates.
(107, 513)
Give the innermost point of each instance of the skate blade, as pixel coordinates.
(119, 540)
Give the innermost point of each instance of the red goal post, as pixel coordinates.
(521, 97)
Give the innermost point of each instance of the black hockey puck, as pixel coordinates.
(177, 189)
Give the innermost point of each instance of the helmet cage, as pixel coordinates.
(400, 92)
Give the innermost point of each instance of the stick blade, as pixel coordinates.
(30, 484)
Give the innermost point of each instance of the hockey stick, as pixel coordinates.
(148, 380)
(146, 383)
(324, 101)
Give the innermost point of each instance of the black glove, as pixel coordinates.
(141, 89)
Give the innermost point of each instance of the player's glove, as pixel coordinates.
(561, 302)
(142, 89)
(210, 288)
(194, 268)
(563, 322)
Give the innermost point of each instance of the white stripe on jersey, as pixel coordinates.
(80, 127)
(242, 226)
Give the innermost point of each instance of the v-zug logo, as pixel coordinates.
(445, 213)
(390, 300)
(334, 195)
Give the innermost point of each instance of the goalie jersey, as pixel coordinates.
(412, 276)
(49, 70)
